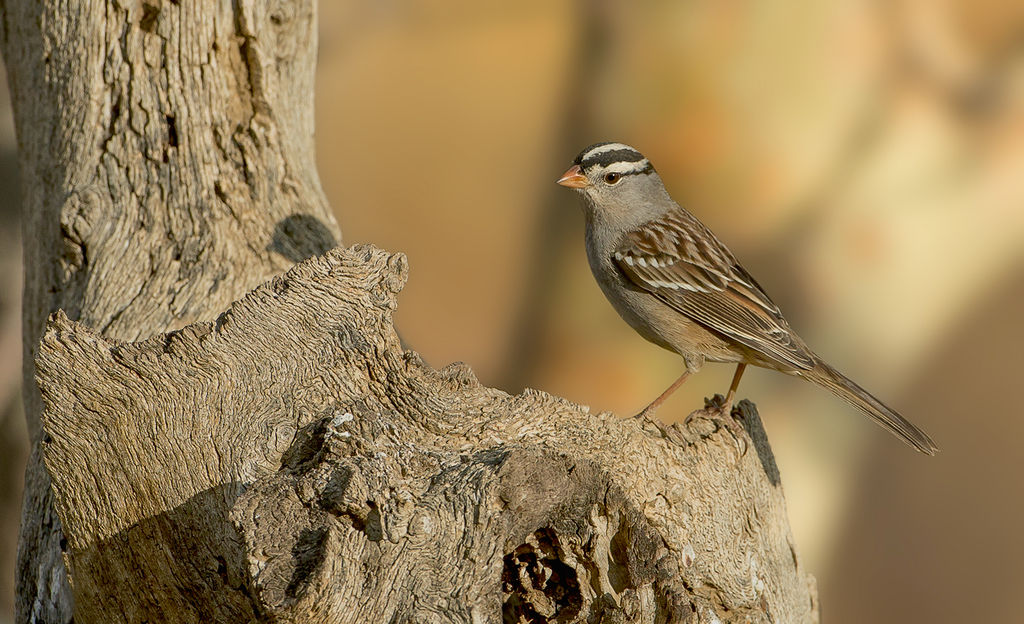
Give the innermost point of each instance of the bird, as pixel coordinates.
(671, 279)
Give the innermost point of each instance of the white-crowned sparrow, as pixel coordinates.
(679, 287)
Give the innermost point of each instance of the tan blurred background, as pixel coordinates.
(864, 159)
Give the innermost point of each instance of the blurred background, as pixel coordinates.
(863, 159)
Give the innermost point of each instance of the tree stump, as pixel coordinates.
(291, 462)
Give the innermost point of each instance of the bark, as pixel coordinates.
(287, 460)
(166, 152)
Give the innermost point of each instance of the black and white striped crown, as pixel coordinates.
(614, 157)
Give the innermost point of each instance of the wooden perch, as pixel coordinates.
(291, 462)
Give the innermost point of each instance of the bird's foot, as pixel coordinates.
(724, 408)
(645, 413)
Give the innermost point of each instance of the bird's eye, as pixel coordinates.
(612, 177)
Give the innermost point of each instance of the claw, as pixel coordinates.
(724, 408)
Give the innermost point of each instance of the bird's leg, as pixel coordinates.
(727, 406)
(649, 410)
(735, 428)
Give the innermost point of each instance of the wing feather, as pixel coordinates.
(677, 259)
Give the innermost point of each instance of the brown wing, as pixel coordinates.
(677, 259)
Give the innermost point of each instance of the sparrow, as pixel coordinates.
(681, 288)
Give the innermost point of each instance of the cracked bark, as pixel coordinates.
(167, 158)
(289, 461)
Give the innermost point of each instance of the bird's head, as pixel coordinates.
(617, 183)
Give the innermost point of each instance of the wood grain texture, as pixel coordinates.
(289, 461)
(166, 152)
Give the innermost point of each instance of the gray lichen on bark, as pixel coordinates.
(290, 461)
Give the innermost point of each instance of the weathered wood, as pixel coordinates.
(166, 153)
(289, 461)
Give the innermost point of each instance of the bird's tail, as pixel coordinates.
(836, 383)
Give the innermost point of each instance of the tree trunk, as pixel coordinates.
(166, 150)
(289, 461)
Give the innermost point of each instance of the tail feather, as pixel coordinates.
(836, 383)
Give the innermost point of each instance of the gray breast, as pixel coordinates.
(637, 307)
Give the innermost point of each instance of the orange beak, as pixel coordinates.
(574, 178)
